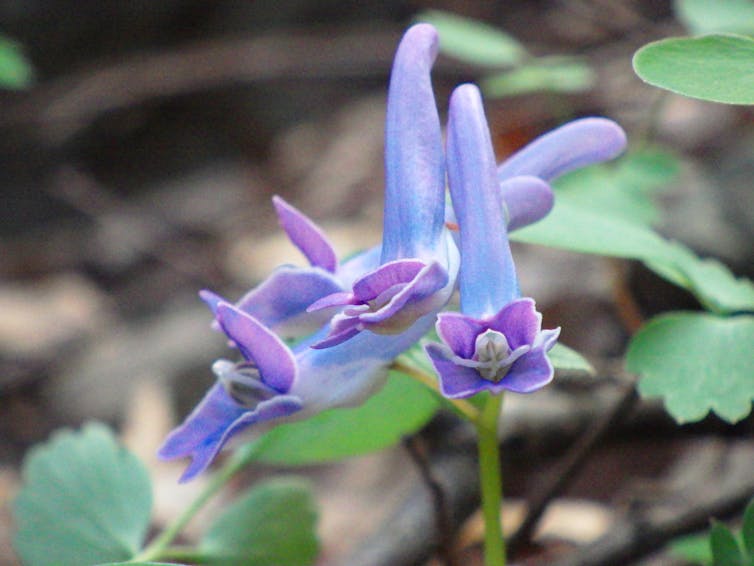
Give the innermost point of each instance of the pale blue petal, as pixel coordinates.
(571, 146)
(414, 161)
(281, 301)
(488, 276)
(527, 200)
(213, 422)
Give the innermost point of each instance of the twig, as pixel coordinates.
(572, 463)
(74, 101)
(417, 451)
(635, 539)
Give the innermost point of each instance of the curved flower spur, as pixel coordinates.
(416, 276)
(524, 178)
(418, 260)
(497, 343)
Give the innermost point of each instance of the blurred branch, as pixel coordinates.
(70, 103)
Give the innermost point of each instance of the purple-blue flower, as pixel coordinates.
(418, 256)
(400, 294)
(497, 343)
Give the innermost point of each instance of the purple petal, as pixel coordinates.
(527, 200)
(339, 299)
(414, 160)
(386, 276)
(281, 301)
(519, 321)
(459, 332)
(213, 422)
(342, 328)
(547, 339)
(573, 145)
(258, 344)
(413, 301)
(529, 373)
(456, 382)
(488, 276)
(212, 300)
(306, 236)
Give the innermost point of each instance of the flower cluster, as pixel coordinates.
(354, 318)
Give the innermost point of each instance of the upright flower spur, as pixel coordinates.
(497, 343)
(395, 303)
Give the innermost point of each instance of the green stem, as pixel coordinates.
(159, 546)
(468, 410)
(491, 481)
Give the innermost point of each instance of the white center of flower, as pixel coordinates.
(493, 354)
(243, 382)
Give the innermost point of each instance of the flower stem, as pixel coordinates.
(468, 410)
(161, 544)
(491, 481)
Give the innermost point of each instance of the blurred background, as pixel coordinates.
(137, 164)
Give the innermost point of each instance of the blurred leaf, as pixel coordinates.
(587, 222)
(694, 548)
(472, 41)
(551, 74)
(85, 500)
(747, 530)
(273, 524)
(719, 68)
(725, 549)
(402, 407)
(710, 281)
(15, 70)
(696, 362)
(568, 359)
(703, 16)
(141, 564)
(624, 188)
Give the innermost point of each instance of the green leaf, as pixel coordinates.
(271, 525)
(625, 188)
(15, 70)
(712, 283)
(607, 227)
(472, 41)
(747, 530)
(85, 500)
(694, 548)
(141, 564)
(550, 74)
(719, 68)
(703, 16)
(696, 362)
(571, 226)
(569, 360)
(402, 407)
(725, 549)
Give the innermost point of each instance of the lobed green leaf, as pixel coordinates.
(696, 362)
(273, 524)
(85, 500)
